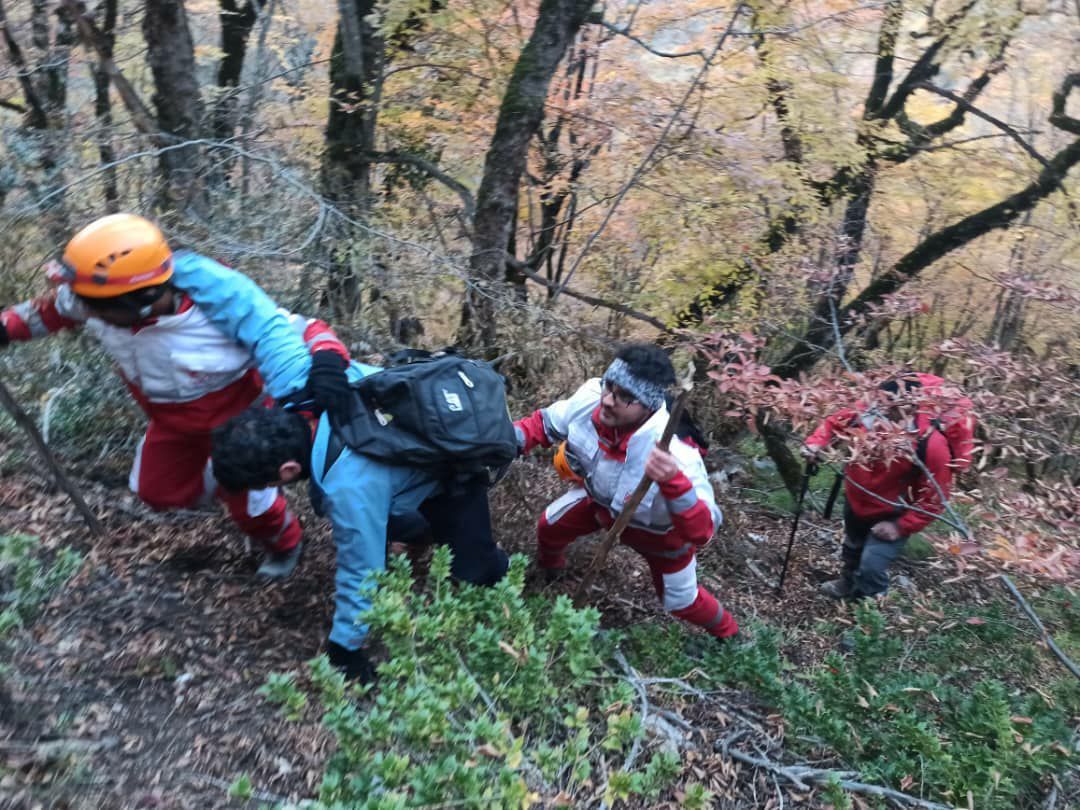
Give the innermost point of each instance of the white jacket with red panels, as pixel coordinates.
(613, 464)
(192, 369)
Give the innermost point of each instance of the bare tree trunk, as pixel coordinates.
(179, 106)
(45, 122)
(103, 108)
(520, 116)
(237, 21)
(551, 239)
(355, 67)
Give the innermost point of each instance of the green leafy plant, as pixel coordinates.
(241, 787)
(26, 581)
(485, 700)
(282, 690)
(951, 713)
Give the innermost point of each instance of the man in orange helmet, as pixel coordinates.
(196, 343)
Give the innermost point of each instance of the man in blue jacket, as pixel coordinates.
(196, 343)
(361, 496)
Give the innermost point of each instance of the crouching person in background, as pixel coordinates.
(889, 500)
(360, 495)
(610, 428)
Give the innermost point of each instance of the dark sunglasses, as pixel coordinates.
(620, 395)
(130, 303)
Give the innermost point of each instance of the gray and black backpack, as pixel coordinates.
(440, 412)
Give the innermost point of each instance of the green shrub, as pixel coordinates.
(485, 700)
(953, 713)
(26, 582)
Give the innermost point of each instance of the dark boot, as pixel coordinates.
(842, 588)
(353, 664)
(279, 565)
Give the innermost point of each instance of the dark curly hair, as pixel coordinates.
(893, 386)
(649, 362)
(248, 450)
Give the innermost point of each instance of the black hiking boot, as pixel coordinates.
(842, 588)
(279, 565)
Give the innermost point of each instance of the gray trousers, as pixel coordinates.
(866, 558)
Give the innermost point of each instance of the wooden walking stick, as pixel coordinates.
(26, 423)
(627, 513)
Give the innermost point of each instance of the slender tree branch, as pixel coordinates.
(27, 424)
(524, 269)
(1031, 614)
(625, 32)
(436, 66)
(38, 118)
(432, 170)
(1058, 116)
(93, 39)
(904, 506)
(834, 319)
(799, 775)
(739, 9)
(973, 91)
(967, 106)
(922, 70)
(886, 52)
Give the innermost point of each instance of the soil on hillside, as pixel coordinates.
(137, 685)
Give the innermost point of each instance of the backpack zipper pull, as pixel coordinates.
(465, 379)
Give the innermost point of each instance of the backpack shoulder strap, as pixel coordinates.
(924, 440)
(406, 356)
(335, 446)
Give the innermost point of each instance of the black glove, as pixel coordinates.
(354, 664)
(328, 384)
(4, 339)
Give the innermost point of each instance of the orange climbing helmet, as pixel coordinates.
(563, 466)
(116, 255)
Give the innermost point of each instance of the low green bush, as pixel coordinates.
(485, 700)
(27, 581)
(954, 712)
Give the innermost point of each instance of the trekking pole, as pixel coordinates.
(808, 472)
(833, 494)
(26, 423)
(627, 513)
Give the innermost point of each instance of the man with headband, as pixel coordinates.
(607, 434)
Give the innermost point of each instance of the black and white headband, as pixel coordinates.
(645, 391)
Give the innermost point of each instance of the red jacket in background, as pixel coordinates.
(867, 488)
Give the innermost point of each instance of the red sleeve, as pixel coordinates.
(35, 318)
(530, 432)
(691, 516)
(821, 437)
(926, 495)
(320, 337)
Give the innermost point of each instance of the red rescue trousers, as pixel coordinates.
(172, 471)
(674, 572)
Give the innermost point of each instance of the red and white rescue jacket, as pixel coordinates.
(613, 464)
(183, 369)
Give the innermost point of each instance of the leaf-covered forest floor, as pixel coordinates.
(136, 686)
